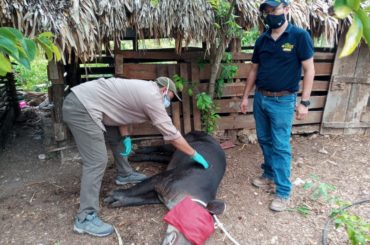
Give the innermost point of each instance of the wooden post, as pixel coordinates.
(194, 77)
(186, 112)
(56, 76)
(236, 47)
(73, 76)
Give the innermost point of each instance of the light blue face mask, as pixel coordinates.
(166, 100)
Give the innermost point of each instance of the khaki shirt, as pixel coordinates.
(117, 101)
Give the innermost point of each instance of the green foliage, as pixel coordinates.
(45, 41)
(353, 37)
(34, 79)
(225, 21)
(207, 107)
(204, 103)
(23, 50)
(302, 209)
(201, 63)
(322, 191)
(179, 82)
(319, 190)
(154, 3)
(250, 37)
(360, 27)
(358, 230)
(228, 72)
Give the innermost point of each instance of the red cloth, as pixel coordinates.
(192, 220)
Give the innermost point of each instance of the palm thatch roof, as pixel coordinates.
(84, 26)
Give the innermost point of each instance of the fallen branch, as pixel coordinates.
(32, 197)
(61, 148)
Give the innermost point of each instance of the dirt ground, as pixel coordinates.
(39, 197)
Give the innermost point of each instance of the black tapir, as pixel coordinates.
(183, 177)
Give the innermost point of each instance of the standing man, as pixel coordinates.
(93, 108)
(279, 55)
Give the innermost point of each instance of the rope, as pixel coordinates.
(221, 226)
(325, 230)
(218, 223)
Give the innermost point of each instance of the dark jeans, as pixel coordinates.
(274, 118)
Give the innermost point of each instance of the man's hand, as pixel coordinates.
(300, 112)
(244, 105)
(199, 159)
(126, 142)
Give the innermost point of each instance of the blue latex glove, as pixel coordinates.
(199, 159)
(126, 142)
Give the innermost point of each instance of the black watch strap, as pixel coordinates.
(306, 103)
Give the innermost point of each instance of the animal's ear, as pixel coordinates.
(216, 207)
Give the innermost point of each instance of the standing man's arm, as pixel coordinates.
(248, 87)
(309, 74)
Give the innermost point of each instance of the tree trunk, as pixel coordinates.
(216, 58)
(217, 52)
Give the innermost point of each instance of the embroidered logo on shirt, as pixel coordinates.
(287, 47)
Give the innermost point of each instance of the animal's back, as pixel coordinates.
(189, 178)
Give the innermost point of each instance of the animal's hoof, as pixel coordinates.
(116, 204)
(113, 202)
(109, 200)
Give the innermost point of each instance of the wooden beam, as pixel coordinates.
(346, 125)
(144, 129)
(237, 89)
(160, 55)
(247, 121)
(323, 69)
(327, 56)
(233, 105)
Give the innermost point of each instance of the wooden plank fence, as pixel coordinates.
(9, 108)
(185, 115)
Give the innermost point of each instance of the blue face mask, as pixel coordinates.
(166, 100)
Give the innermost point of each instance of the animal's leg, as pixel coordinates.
(139, 192)
(150, 158)
(120, 200)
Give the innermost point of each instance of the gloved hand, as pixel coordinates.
(126, 142)
(199, 159)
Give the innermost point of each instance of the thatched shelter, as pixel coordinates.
(85, 26)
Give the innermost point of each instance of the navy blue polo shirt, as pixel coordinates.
(279, 62)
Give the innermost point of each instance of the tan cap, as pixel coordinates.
(165, 81)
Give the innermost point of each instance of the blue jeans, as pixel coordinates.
(274, 118)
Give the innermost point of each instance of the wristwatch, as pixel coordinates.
(306, 103)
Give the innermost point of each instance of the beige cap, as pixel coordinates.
(165, 81)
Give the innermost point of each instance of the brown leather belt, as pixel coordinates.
(274, 94)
